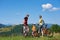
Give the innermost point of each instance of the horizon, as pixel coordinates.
(14, 11)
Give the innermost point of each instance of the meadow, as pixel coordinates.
(19, 37)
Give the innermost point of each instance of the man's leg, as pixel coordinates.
(42, 30)
(41, 27)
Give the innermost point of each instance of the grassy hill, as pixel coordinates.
(13, 29)
(14, 32)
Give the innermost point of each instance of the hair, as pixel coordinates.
(27, 15)
(40, 16)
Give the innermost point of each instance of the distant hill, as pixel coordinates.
(49, 25)
(2, 25)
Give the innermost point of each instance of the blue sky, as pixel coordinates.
(13, 11)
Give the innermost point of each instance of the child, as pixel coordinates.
(34, 33)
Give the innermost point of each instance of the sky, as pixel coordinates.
(14, 11)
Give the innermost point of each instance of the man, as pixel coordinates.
(25, 23)
(41, 23)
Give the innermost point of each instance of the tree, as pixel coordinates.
(55, 28)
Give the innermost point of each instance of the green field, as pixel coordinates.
(56, 37)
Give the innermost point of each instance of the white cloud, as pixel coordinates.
(54, 9)
(49, 7)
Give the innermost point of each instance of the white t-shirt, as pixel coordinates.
(41, 21)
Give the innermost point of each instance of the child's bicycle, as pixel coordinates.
(25, 31)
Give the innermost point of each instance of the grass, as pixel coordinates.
(56, 37)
